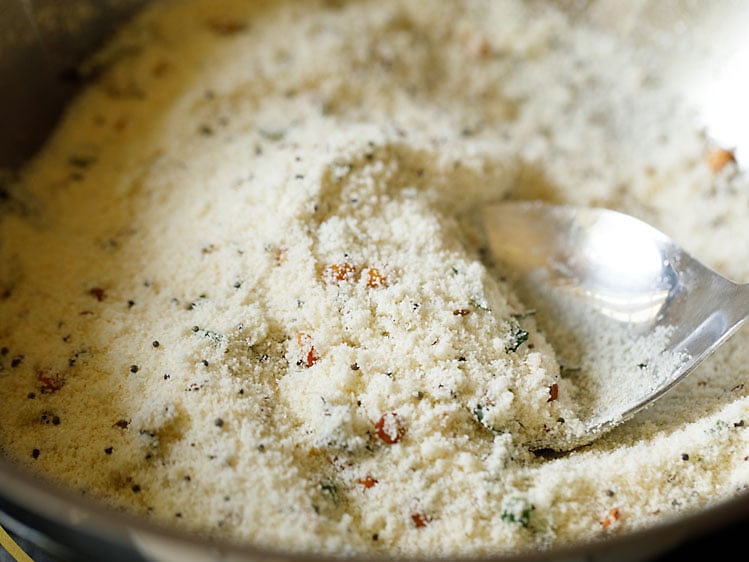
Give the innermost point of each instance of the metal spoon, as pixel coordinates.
(628, 312)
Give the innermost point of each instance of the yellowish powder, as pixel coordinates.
(245, 292)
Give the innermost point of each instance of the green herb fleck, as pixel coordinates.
(517, 511)
(518, 337)
(480, 306)
(480, 414)
(329, 489)
(215, 337)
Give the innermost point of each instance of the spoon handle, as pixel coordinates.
(741, 304)
(721, 308)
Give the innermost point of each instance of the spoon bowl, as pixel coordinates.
(628, 312)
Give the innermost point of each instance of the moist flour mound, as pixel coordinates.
(245, 292)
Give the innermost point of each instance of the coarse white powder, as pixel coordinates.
(245, 291)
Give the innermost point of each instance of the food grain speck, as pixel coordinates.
(98, 293)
